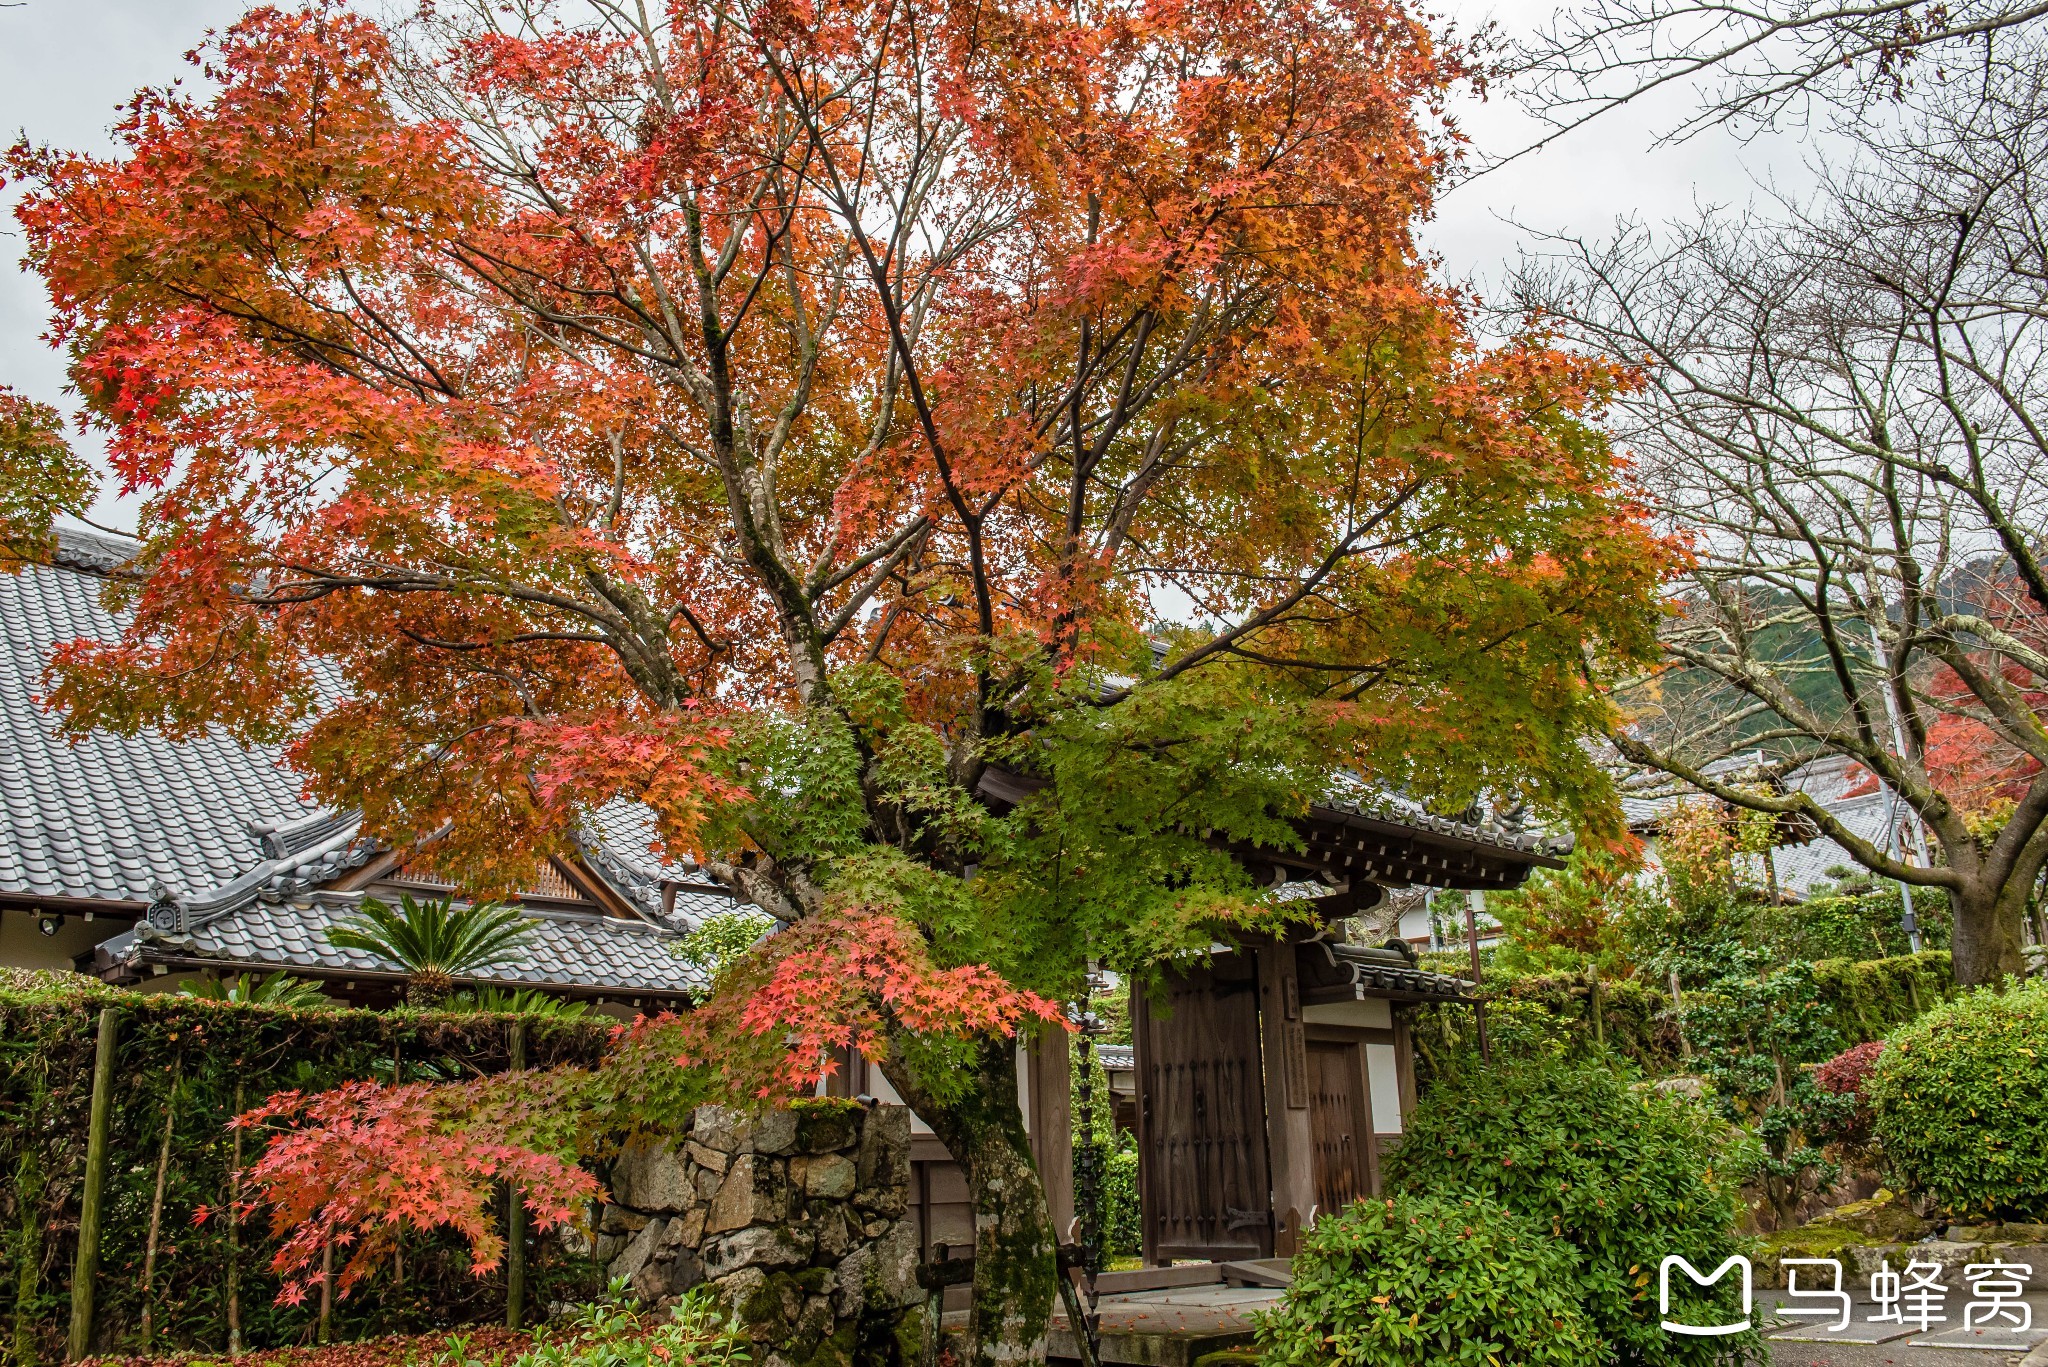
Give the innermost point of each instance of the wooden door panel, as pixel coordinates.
(1205, 1188)
(1339, 1122)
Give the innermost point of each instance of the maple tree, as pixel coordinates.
(353, 1167)
(784, 415)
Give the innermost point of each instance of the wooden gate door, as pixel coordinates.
(1204, 1187)
(1340, 1122)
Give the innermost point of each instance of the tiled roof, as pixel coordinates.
(114, 817)
(564, 949)
(1839, 784)
(1117, 1058)
(1801, 867)
(1648, 798)
(214, 838)
(618, 842)
(1388, 971)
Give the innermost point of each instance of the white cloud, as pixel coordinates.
(66, 67)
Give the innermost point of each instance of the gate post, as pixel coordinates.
(1289, 1138)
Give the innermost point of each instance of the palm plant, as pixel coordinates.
(276, 989)
(518, 1001)
(433, 941)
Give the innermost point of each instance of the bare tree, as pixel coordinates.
(1846, 402)
(1754, 61)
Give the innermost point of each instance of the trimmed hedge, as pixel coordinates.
(1960, 1099)
(1848, 925)
(1551, 1016)
(1423, 1279)
(212, 1057)
(1870, 996)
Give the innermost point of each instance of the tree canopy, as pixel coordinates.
(779, 414)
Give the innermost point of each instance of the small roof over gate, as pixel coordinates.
(1387, 843)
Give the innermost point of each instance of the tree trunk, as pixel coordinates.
(1015, 1263)
(1986, 935)
(156, 1208)
(235, 1237)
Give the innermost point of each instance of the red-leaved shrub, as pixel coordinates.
(357, 1165)
(1845, 1075)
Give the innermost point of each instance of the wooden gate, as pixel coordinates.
(1204, 1187)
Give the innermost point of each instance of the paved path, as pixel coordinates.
(1174, 1328)
(1906, 1351)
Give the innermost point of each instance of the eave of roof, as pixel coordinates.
(200, 831)
(1362, 972)
(108, 818)
(1536, 847)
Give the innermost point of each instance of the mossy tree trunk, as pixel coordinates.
(1015, 1252)
(1985, 933)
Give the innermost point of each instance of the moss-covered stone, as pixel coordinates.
(815, 1272)
(835, 1349)
(829, 1176)
(764, 1306)
(906, 1339)
(1886, 1217)
(1810, 1241)
(826, 1124)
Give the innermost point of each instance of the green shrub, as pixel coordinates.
(1960, 1100)
(1550, 1016)
(1118, 1150)
(1625, 1174)
(1429, 1279)
(1121, 1229)
(612, 1333)
(1755, 1030)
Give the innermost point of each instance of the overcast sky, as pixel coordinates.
(65, 66)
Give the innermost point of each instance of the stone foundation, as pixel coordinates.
(796, 1216)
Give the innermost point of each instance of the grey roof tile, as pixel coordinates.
(618, 841)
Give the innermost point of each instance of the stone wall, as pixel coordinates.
(798, 1217)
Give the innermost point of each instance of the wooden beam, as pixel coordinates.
(592, 885)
